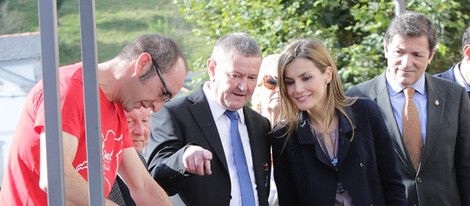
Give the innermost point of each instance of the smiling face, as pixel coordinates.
(407, 58)
(138, 121)
(306, 84)
(233, 79)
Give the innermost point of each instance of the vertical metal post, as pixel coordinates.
(92, 102)
(399, 7)
(53, 126)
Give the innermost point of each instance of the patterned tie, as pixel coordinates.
(244, 180)
(412, 128)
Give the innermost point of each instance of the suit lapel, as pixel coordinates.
(436, 103)
(449, 74)
(258, 150)
(381, 95)
(345, 133)
(203, 117)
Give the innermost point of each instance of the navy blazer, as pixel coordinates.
(444, 174)
(367, 166)
(188, 121)
(449, 74)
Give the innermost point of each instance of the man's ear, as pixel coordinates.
(142, 64)
(385, 50)
(466, 52)
(211, 64)
(431, 56)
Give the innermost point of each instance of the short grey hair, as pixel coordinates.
(240, 43)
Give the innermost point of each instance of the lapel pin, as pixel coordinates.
(436, 102)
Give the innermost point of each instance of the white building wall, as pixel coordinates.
(12, 100)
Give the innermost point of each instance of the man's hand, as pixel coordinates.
(197, 160)
(109, 203)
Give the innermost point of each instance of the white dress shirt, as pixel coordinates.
(223, 127)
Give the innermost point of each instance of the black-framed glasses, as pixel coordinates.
(166, 96)
(269, 82)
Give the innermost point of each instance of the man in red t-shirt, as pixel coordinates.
(146, 73)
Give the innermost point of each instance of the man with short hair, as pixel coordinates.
(210, 147)
(427, 117)
(460, 72)
(146, 73)
(138, 121)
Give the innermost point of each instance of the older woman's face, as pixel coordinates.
(268, 88)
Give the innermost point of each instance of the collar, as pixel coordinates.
(395, 88)
(459, 78)
(304, 133)
(217, 109)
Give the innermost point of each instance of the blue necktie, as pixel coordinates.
(468, 94)
(244, 180)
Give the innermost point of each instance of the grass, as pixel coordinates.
(117, 23)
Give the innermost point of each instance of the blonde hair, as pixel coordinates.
(315, 51)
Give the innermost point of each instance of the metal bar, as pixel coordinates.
(399, 7)
(53, 126)
(92, 103)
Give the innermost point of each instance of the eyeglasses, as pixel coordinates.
(269, 82)
(167, 94)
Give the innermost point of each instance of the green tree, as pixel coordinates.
(59, 3)
(353, 29)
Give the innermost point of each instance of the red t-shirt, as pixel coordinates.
(21, 178)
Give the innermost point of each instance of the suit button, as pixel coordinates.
(361, 164)
(228, 198)
(418, 179)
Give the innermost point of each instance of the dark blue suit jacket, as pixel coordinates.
(367, 166)
(449, 74)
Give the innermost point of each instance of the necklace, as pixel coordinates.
(328, 143)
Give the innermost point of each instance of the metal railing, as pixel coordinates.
(53, 126)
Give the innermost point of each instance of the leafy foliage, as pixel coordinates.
(353, 29)
(117, 23)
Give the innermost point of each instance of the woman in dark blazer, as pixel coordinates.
(329, 149)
